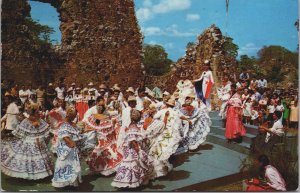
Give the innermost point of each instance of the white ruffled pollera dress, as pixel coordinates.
(196, 133)
(27, 156)
(67, 167)
(166, 142)
(136, 167)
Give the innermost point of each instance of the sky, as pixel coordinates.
(173, 23)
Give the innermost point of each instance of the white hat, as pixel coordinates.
(70, 89)
(73, 83)
(50, 84)
(171, 102)
(130, 89)
(91, 84)
(116, 88)
(92, 90)
(166, 93)
(78, 88)
(131, 98)
(206, 61)
(150, 93)
(102, 86)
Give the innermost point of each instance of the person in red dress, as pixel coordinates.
(235, 129)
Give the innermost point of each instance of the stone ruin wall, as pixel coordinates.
(209, 46)
(101, 42)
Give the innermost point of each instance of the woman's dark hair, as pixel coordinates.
(142, 89)
(278, 114)
(264, 160)
(99, 98)
(208, 65)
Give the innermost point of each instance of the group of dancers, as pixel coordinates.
(131, 136)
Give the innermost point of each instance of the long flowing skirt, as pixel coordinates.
(105, 157)
(234, 126)
(135, 169)
(67, 167)
(25, 158)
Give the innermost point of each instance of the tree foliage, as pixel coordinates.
(279, 63)
(156, 60)
(250, 63)
(230, 48)
(39, 32)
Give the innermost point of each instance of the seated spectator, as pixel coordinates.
(268, 137)
(269, 178)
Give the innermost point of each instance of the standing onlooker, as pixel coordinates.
(30, 91)
(235, 129)
(40, 94)
(271, 110)
(286, 114)
(262, 83)
(50, 96)
(294, 117)
(244, 76)
(60, 90)
(10, 118)
(23, 94)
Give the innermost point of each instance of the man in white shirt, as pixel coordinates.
(23, 94)
(162, 104)
(262, 83)
(60, 90)
(10, 118)
(126, 120)
(276, 131)
(140, 99)
(30, 91)
(95, 109)
(268, 137)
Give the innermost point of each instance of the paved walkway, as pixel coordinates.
(209, 161)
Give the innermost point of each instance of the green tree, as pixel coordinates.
(40, 33)
(230, 48)
(279, 63)
(156, 60)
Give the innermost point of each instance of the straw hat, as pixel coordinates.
(91, 84)
(130, 89)
(131, 98)
(171, 102)
(102, 86)
(166, 93)
(116, 88)
(78, 88)
(50, 84)
(206, 61)
(73, 84)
